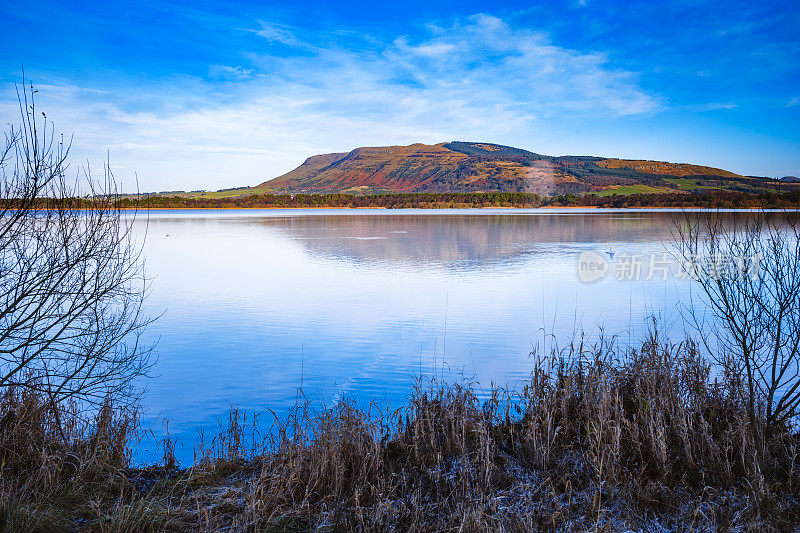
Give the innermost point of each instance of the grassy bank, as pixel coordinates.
(599, 438)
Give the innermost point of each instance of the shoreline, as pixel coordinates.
(727, 200)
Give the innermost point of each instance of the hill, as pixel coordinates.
(485, 167)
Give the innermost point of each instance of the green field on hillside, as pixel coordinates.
(633, 189)
(687, 184)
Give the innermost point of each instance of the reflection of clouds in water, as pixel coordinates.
(447, 240)
(475, 241)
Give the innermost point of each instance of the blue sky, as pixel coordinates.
(189, 95)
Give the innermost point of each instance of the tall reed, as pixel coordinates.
(599, 437)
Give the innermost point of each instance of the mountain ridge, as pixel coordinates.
(460, 166)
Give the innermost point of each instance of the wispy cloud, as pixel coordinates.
(278, 33)
(712, 106)
(237, 73)
(520, 69)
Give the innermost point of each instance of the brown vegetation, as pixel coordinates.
(667, 169)
(598, 438)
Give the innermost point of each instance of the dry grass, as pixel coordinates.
(59, 469)
(598, 439)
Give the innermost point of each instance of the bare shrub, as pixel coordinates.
(747, 267)
(71, 276)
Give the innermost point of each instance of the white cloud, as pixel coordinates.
(277, 33)
(480, 80)
(487, 59)
(226, 72)
(713, 106)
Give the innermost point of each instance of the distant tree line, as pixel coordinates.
(396, 201)
(709, 200)
(712, 199)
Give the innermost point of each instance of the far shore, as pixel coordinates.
(345, 208)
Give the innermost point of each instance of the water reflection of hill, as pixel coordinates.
(471, 241)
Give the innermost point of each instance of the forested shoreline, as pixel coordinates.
(711, 200)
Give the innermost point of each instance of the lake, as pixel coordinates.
(358, 303)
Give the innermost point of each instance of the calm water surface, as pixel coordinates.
(358, 303)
